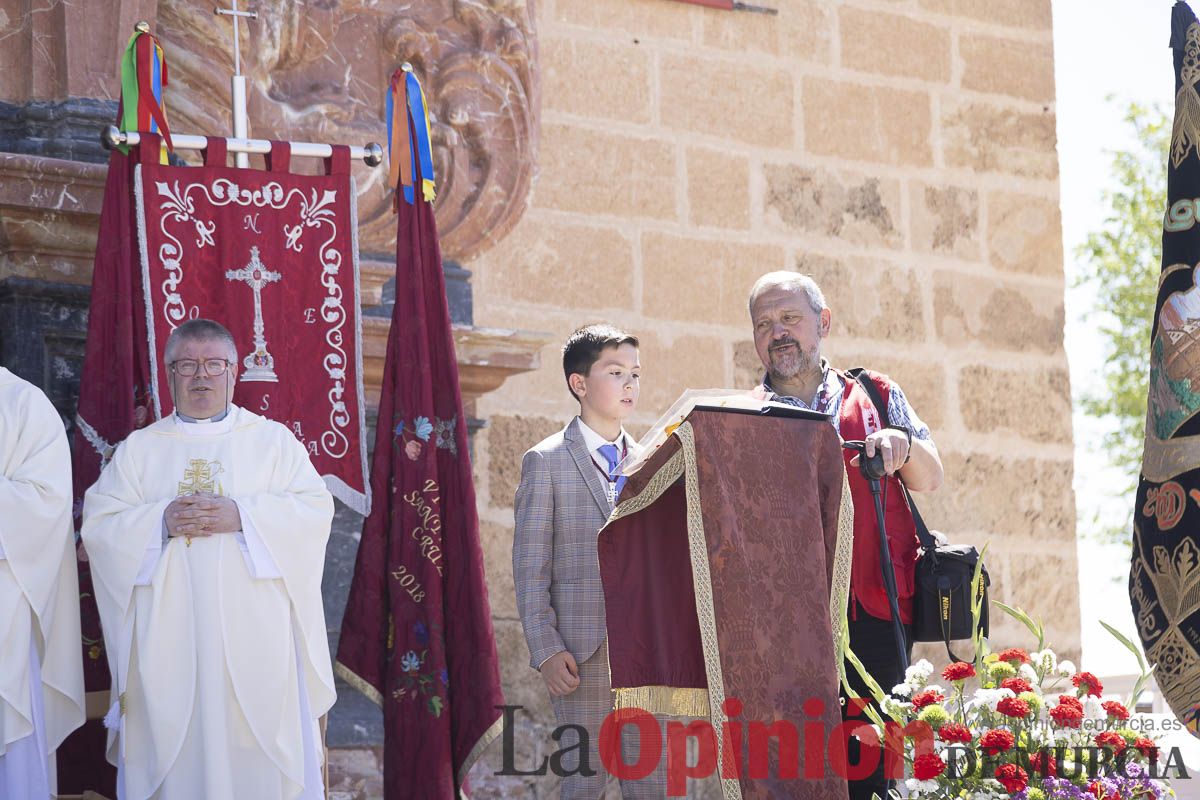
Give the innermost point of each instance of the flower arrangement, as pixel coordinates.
(1020, 725)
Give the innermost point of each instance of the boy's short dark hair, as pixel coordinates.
(584, 346)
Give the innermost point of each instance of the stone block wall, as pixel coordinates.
(901, 151)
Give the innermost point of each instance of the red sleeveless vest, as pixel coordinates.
(857, 419)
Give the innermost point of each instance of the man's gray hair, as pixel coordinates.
(202, 330)
(792, 282)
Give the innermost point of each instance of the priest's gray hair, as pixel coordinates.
(792, 282)
(202, 330)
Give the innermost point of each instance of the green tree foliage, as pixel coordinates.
(1120, 262)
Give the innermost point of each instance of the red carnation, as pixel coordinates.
(996, 741)
(1014, 654)
(1072, 701)
(1144, 745)
(1112, 739)
(954, 732)
(928, 767)
(1017, 685)
(927, 698)
(1012, 777)
(1115, 709)
(1013, 707)
(1042, 763)
(1067, 715)
(1097, 788)
(959, 671)
(1088, 682)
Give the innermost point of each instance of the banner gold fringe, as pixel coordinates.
(671, 701)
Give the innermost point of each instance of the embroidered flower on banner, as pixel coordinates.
(418, 680)
(412, 439)
(410, 662)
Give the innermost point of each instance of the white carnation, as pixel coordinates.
(1093, 709)
(918, 788)
(918, 674)
(1029, 674)
(1066, 669)
(991, 697)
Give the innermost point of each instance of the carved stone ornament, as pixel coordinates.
(318, 70)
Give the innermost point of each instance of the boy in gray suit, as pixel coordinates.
(568, 487)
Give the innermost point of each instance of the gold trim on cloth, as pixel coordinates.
(663, 479)
(839, 591)
(671, 701)
(1171, 270)
(1166, 459)
(489, 736)
(351, 677)
(705, 612)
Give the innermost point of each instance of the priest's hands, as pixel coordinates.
(561, 674)
(202, 515)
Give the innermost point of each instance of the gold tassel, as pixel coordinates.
(670, 701)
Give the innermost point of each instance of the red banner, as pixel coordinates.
(272, 256)
(417, 633)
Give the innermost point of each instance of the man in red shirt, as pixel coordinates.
(790, 320)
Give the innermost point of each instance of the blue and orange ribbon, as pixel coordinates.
(143, 76)
(409, 146)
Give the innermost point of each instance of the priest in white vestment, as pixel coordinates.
(206, 535)
(41, 657)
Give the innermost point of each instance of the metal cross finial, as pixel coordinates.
(237, 84)
(237, 47)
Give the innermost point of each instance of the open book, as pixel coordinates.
(734, 400)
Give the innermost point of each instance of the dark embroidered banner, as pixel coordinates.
(417, 633)
(272, 256)
(1165, 571)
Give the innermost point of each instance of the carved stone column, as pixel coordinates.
(318, 70)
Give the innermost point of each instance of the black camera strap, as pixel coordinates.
(859, 374)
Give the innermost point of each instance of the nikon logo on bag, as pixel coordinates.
(945, 608)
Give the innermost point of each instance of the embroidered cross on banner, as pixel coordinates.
(260, 365)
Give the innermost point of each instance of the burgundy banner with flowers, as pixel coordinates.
(272, 256)
(417, 633)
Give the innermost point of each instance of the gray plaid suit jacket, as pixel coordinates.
(560, 506)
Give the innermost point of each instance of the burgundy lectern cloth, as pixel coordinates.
(765, 532)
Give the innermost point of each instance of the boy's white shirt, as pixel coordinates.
(595, 441)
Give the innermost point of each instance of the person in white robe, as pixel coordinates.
(206, 535)
(41, 660)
